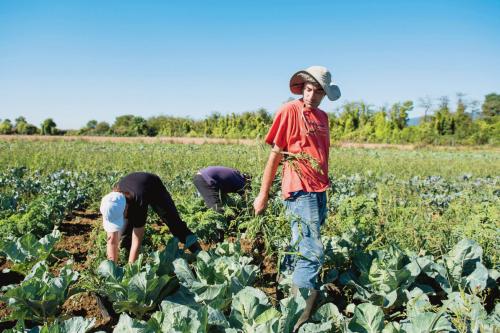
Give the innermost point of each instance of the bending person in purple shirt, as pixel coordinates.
(214, 182)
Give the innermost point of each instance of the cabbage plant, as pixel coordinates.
(138, 288)
(27, 250)
(40, 295)
(218, 275)
(71, 325)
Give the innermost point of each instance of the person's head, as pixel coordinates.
(313, 84)
(112, 209)
(312, 92)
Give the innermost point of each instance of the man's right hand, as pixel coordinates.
(260, 203)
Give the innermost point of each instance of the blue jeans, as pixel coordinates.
(307, 212)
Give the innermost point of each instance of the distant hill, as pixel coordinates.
(415, 121)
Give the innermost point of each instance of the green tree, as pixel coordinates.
(463, 121)
(91, 124)
(399, 114)
(89, 128)
(130, 125)
(6, 127)
(349, 117)
(382, 126)
(23, 127)
(102, 128)
(20, 119)
(444, 123)
(49, 127)
(139, 126)
(20, 125)
(31, 129)
(491, 107)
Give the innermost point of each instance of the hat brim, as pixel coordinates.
(297, 84)
(113, 226)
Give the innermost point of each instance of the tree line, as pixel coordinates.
(462, 123)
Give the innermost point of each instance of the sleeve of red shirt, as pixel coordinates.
(277, 134)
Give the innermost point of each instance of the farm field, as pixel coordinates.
(411, 243)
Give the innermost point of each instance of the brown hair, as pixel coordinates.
(128, 195)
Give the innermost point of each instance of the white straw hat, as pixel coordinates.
(321, 75)
(112, 209)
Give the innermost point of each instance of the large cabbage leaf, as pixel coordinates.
(40, 295)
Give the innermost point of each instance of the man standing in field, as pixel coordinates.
(300, 137)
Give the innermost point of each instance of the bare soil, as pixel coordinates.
(8, 277)
(249, 142)
(4, 312)
(267, 279)
(146, 139)
(76, 241)
(88, 305)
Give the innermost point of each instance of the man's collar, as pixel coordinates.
(305, 108)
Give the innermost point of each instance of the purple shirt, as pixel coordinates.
(226, 179)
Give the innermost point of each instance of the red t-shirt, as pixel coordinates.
(297, 129)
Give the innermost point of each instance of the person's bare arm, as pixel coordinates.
(137, 236)
(112, 245)
(272, 164)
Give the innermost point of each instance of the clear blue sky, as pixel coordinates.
(81, 60)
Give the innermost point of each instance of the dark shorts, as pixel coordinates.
(210, 193)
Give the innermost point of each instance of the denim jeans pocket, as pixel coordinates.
(296, 196)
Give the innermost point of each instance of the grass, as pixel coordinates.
(169, 160)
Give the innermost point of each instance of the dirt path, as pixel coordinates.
(77, 241)
(146, 139)
(76, 237)
(248, 142)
